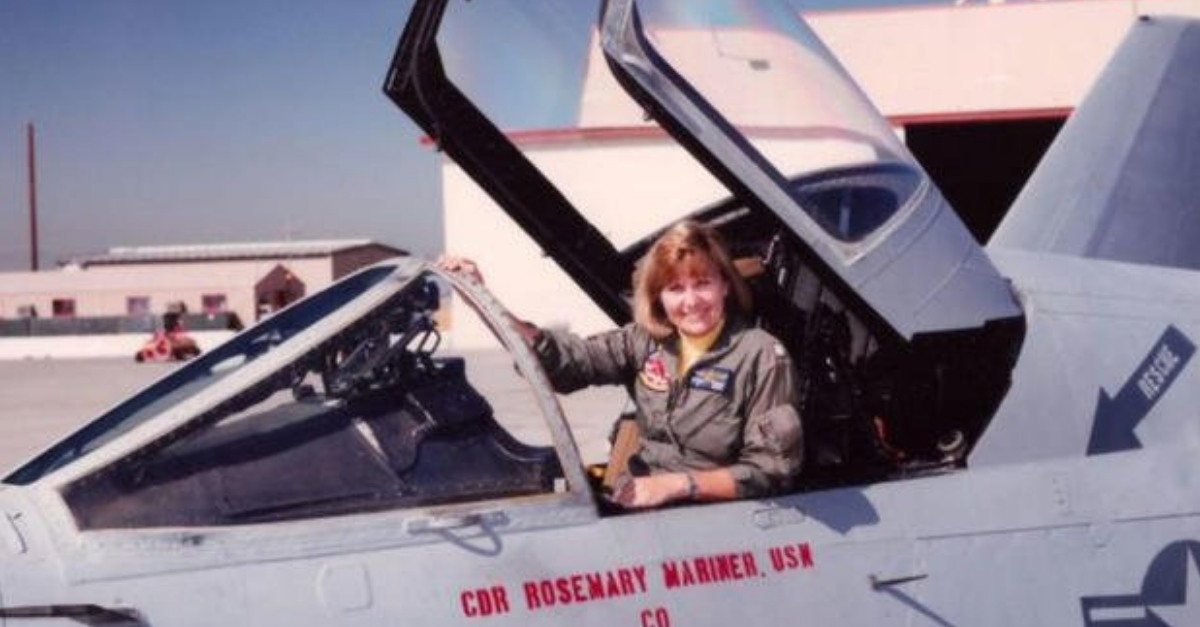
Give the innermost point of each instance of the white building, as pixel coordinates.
(246, 279)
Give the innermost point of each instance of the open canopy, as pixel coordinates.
(754, 102)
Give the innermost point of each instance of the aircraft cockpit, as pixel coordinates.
(906, 333)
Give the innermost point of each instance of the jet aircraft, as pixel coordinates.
(994, 435)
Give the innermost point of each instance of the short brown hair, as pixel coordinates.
(679, 250)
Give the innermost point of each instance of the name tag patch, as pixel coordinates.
(712, 379)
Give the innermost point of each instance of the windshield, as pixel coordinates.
(766, 72)
(384, 413)
(761, 95)
(753, 64)
(201, 373)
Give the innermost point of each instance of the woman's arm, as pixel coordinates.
(572, 362)
(772, 450)
(468, 269)
(717, 484)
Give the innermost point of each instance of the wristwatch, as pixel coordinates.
(692, 488)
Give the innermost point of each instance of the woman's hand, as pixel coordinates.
(652, 491)
(467, 268)
(709, 485)
(460, 265)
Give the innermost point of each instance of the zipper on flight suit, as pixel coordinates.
(672, 399)
(674, 392)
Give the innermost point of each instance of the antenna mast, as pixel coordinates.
(33, 234)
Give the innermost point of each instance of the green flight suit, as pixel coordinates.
(736, 407)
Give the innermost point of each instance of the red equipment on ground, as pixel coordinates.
(170, 343)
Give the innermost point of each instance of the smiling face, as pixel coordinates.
(685, 281)
(694, 298)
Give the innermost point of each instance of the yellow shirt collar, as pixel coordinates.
(692, 347)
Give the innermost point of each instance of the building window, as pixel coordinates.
(137, 305)
(213, 303)
(63, 307)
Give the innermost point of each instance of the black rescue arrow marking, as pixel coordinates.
(1116, 417)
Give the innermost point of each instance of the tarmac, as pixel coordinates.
(44, 400)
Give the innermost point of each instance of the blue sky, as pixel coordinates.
(165, 122)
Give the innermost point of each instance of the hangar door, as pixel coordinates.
(981, 166)
(278, 289)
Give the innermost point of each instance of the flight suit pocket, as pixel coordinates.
(781, 434)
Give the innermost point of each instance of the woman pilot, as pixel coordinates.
(716, 397)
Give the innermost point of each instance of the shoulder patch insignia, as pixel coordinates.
(654, 373)
(713, 379)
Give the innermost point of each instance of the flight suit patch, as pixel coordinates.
(713, 379)
(654, 373)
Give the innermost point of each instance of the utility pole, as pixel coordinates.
(33, 234)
